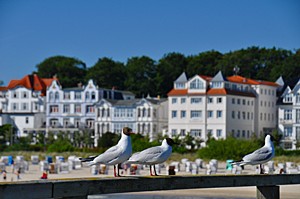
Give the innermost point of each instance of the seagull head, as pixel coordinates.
(170, 142)
(127, 131)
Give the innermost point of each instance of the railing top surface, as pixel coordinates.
(90, 186)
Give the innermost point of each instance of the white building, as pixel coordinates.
(22, 103)
(73, 109)
(289, 114)
(146, 116)
(221, 107)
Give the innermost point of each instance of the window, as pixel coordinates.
(56, 96)
(90, 109)
(174, 132)
(219, 100)
(66, 123)
(288, 132)
(182, 132)
(209, 132)
(219, 132)
(26, 120)
(66, 108)
(195, 132)
(196, 114)
(244, 102)
(180, 85)
(174, 114)
(87, 95)
(77, 95)
(210, 100)
(298, 98)
(297, 115)
(174, 100)
(232, 114)
(93, 95)
(244, 115)
(67, 95)
(51, 96)
(182, 100)
(24, 94)
(219, 114)
(233, 101)
(77, 108)
(288, 98)
(24, 106)
(54, 109)
(287, 114)
(15, 94)
(196, 100)
(196, 84)
(183, 114)
(217, 85)
(238, 101)
(209, 114)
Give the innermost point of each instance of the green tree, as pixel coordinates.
(204, 63)
(69, 71)
(141, 72)
(169, 68)
(107, 73)
(108, 139)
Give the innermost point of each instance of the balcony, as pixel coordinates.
(287, 122)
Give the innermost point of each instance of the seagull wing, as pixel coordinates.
(259, 155)
(109, 155)
(150, 155)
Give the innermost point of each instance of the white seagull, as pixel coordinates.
(114, 155)
(260, 156)
(153, 155)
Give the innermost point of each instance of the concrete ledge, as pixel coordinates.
(83, 187)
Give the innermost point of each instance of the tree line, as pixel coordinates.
(143, 75)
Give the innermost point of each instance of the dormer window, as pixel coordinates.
(217, 85)
(196, 84)
(180, 85)
(288, 98)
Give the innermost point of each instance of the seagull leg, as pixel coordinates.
(151, 170)
(118, 166)
(155, 171)
(261, 169)
(115, 174)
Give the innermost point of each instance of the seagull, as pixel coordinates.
(260, 156)
(114, 155)
(153, 155)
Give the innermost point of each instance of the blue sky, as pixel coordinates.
(33, 30)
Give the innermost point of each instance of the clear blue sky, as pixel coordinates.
(33, 30)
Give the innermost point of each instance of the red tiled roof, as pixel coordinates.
(175, 92)
(223, 91)
(33, 82)
(3, 88)
(243, 80)
(207, 78)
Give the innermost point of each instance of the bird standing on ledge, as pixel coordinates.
(115, 155)
(153, 155)
(260, 156)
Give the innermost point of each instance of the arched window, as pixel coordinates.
(93, 95)
(87, 95)
(196, 84)
(51, 96)
(56, 96)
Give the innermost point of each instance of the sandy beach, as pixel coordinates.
(34, 172)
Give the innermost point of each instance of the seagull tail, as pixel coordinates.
(238, 163)
(88, 159)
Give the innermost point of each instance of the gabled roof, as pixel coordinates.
(181, 78)
(32, 82)
(219, 77)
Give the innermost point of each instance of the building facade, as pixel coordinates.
(217, 106)
(147, 116)
(22, 103)
(289, 114)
